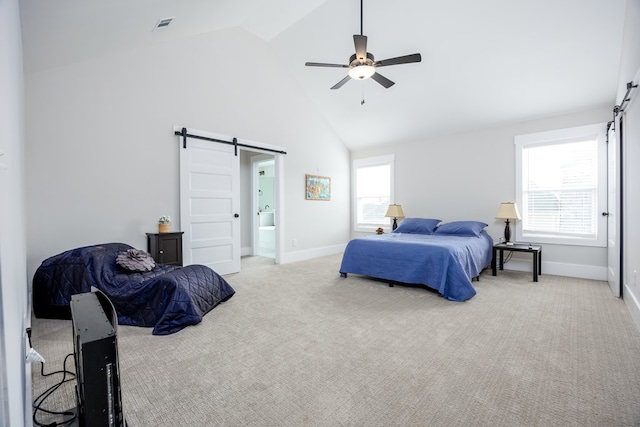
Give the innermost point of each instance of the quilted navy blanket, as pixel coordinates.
(167, 298)
(444, 263)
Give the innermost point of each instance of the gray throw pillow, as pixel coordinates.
(135, 260)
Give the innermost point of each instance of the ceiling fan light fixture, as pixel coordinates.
(361, 72)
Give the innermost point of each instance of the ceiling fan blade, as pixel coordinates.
(341, 83)
(322, 64)
(361, 46)
(416, 57)
(382, 80)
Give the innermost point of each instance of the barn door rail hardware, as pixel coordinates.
(620, 108)
(184, 134)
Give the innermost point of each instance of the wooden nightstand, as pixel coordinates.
(536, 250)
(166, 248)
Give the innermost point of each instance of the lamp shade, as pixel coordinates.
(394, 211)
(508, 210)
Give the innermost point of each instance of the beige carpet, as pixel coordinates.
(299, 346)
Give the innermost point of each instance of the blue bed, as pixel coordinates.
(165, 297)
(444, 257)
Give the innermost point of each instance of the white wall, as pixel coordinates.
(102, 160)
(629, 70)
(465, 176)
(14, 405)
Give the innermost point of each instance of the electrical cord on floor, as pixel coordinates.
(38, 401)
(64, 366)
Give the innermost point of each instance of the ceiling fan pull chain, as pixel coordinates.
(362, 101)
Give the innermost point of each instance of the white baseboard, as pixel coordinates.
(560, 269)
(632, 303)
(300, 255)
(311, 253)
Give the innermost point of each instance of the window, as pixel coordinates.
(373, 192)
(561, 186)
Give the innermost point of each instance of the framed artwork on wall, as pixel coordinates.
(317, 187)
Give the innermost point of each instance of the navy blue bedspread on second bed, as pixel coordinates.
(167, 298)
(441, 262)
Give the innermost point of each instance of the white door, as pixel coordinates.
(210, 205)
(613, 187)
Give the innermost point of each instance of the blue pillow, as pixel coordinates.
(461, 228)
(417, 226)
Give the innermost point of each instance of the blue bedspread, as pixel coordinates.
(444, 263)
(167, 298)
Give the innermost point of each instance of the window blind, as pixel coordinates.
(560, 189)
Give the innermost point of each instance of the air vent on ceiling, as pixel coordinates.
(163, 23)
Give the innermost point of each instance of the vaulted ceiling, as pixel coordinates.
(484, 63)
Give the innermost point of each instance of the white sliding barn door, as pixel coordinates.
(613, 204)
(210, 205)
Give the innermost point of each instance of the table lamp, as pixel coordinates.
(507, 211)
(395, 212)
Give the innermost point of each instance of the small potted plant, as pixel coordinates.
(164, 223)
(379, 230)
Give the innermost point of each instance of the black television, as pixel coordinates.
(98, 392)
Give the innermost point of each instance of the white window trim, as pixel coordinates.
(556, 136)
(371, 161)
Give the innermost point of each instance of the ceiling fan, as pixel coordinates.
(362, 64)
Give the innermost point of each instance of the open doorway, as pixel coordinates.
(265, 200)
(260, 200)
